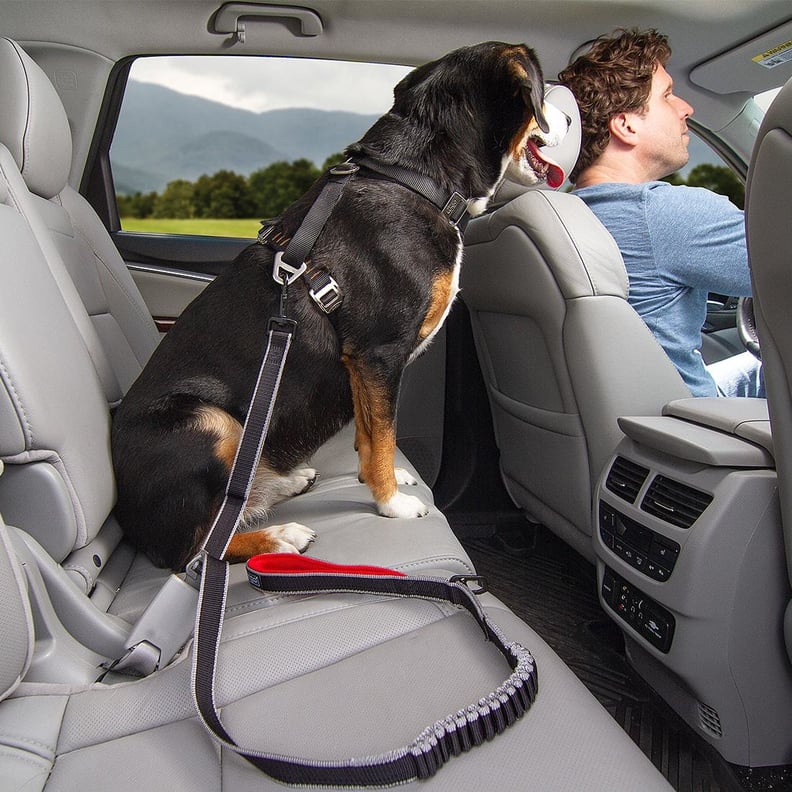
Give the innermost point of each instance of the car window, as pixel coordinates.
(706, 168)
(213, 145)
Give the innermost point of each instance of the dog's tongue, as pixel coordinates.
(555, 173)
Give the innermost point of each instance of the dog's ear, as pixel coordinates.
(527, 74)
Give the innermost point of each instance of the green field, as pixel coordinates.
(245, 228)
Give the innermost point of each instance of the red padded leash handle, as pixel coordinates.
(294, 564)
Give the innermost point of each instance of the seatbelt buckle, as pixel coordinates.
(166, 624)
(455, 208)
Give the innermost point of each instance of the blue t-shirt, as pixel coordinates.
(679, 244)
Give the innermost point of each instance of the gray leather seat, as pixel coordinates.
(562, 352)
(767, 215)
(120, 333)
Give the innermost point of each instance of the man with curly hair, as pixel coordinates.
(679, 243)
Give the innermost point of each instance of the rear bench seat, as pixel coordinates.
(324, 677)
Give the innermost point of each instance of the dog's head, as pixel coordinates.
(481, 110)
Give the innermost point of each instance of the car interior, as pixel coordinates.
(637, 541)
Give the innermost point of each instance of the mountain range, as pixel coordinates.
(164, 135)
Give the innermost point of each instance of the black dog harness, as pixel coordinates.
(291, 257)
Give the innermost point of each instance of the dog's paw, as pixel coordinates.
(404, 477)
(401, 505)
(304, 479)
(291, 537)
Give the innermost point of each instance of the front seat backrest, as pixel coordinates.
(767, 215)
(562, 352)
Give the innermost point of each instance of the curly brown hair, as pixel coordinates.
(613, 76)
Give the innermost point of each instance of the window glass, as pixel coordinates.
(705, 168)
(213, 145)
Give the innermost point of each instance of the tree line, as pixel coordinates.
(268, 191)
(717, 178)
(227, 194)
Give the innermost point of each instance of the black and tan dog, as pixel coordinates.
(462, 121)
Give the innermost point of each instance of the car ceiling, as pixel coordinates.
(709, 65)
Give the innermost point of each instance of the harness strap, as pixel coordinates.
(453, 207)
(290, 258)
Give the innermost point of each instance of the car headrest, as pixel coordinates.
(33, 123)
(565, 153)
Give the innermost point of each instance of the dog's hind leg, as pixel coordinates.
(287, 538)
(269, 487)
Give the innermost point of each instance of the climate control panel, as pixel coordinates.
(642, 548)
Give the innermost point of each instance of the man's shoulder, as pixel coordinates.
(663, 197)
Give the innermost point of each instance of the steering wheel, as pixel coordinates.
(746, 326)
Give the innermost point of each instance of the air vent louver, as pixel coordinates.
(626, 478)
(709, 720)
(675, 503)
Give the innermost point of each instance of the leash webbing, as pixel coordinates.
(435, 745)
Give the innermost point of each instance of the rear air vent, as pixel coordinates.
(675, 503)
(626, 478)
(709, 720)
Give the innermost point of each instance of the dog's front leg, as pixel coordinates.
(374, 403)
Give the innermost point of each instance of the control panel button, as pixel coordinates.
(638, 611)
(643, 549)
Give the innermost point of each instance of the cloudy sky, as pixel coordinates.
(260, 84)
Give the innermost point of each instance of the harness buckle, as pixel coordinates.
(327, 297)
(283, 273)
(455, 208)
(347, 168)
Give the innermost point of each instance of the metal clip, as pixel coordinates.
(328, 297)
(455, 208)
(479, 580)
(345, 169)
(284, 273)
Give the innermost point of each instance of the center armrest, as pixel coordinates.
(719, 432)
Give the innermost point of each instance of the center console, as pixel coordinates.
(691, 565)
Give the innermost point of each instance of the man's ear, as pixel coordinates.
(623, 128)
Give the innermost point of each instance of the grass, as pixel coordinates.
(242, 228)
